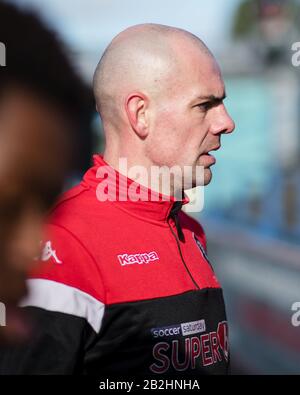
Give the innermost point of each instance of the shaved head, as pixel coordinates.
(159, 92)
(143, 57)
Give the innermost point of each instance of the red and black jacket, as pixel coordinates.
(122, 287)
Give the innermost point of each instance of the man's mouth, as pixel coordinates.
(207, 158)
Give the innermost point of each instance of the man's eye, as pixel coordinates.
(204, 106)
(209, 104)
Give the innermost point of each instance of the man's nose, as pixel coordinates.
(222, 121)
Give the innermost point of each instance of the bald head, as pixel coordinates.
(160, 94)
(142, 58)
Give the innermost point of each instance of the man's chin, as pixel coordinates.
(206, 179)
(207, 176)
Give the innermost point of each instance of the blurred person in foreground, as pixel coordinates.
(41, 105)
(125, 286)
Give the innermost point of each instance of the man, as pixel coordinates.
(124, 284)
(39, 108)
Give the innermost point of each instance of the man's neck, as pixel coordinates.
(142, 171)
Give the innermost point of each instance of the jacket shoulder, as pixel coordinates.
(65, 259)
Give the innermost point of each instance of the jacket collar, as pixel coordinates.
(151, 205)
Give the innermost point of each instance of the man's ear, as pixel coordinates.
(136, 108)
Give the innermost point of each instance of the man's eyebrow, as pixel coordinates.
(213, 98)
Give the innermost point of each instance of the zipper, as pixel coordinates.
(181, 256)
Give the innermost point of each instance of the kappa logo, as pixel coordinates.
(130, 259)
(48, 253)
